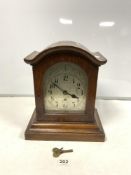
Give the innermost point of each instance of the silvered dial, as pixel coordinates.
(65, 88)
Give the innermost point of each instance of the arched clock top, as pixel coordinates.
(66, 47)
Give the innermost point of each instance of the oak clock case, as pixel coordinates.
(65, 81)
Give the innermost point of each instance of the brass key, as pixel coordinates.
(57, 152)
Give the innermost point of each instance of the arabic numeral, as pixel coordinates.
(73, 104)
(65, 78)
(50, 91)
(56, 80)
(56, 104)
(52, 86)
(78, 85)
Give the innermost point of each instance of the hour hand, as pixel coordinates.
(72, 95)
(64, 91)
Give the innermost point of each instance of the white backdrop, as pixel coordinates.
(31, 25)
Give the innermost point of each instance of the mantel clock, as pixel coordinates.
(65, 81)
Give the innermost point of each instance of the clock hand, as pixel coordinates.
(58, 87)
(65, 92)
(72, 95)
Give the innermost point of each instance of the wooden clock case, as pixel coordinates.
(80, 127)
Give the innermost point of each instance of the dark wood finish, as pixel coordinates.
(68, 131)
(67, 47)
(84, 126)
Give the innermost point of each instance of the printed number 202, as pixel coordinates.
(63, 161)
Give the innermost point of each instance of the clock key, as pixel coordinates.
(67, 151)
(57, 152)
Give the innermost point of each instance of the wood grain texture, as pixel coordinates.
(65, 131)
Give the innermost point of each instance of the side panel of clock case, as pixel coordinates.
(39, 71)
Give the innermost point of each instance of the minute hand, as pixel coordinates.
(65, 92)
(58, 87)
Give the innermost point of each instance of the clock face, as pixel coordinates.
(65, 88)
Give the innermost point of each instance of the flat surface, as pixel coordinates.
(22, 157)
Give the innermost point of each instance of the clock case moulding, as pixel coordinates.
(86, 127)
